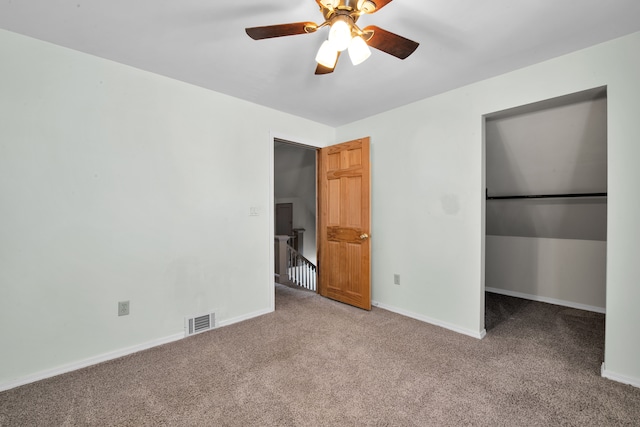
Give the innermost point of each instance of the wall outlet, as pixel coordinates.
(396, 279)
(123, 308)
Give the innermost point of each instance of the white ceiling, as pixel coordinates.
(203, 42)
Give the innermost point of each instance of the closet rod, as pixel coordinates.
(546, 196)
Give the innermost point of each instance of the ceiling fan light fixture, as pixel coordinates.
(327, 55)
(366, 6)
(340, 33)
(330, 4)
(358, 50)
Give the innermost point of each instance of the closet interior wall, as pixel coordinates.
(550, 249)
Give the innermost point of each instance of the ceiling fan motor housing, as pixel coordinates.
(350, 6)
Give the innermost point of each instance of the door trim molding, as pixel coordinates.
(273, 135)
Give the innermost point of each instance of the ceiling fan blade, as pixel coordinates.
(321, 69)
(390, 43)
(270, 31)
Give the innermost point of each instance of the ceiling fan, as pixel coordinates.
(341, 16)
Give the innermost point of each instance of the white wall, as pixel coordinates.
(560, 271)
(549, 150)
(117, 184)
(582, 218)
(428, 193)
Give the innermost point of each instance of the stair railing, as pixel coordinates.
(292, 268)
(301, 271)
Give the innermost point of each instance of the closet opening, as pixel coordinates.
(546, 214)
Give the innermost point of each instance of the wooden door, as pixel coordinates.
(344, 266)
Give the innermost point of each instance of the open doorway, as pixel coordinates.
(295, 213)
(342, 201)
(546, 210)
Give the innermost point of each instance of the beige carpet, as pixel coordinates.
(316, 362)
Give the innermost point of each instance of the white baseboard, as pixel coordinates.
(547, 300)
(451, 327)
(620, 378)
(114, 354)
(48, 373)
(245, 317)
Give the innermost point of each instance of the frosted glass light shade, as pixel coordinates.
(340, 34)
(327, 55)
(330, 3)
(358, 50)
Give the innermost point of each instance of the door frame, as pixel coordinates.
(551, 101)
(305, 142)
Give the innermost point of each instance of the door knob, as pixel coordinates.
(364, 236)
